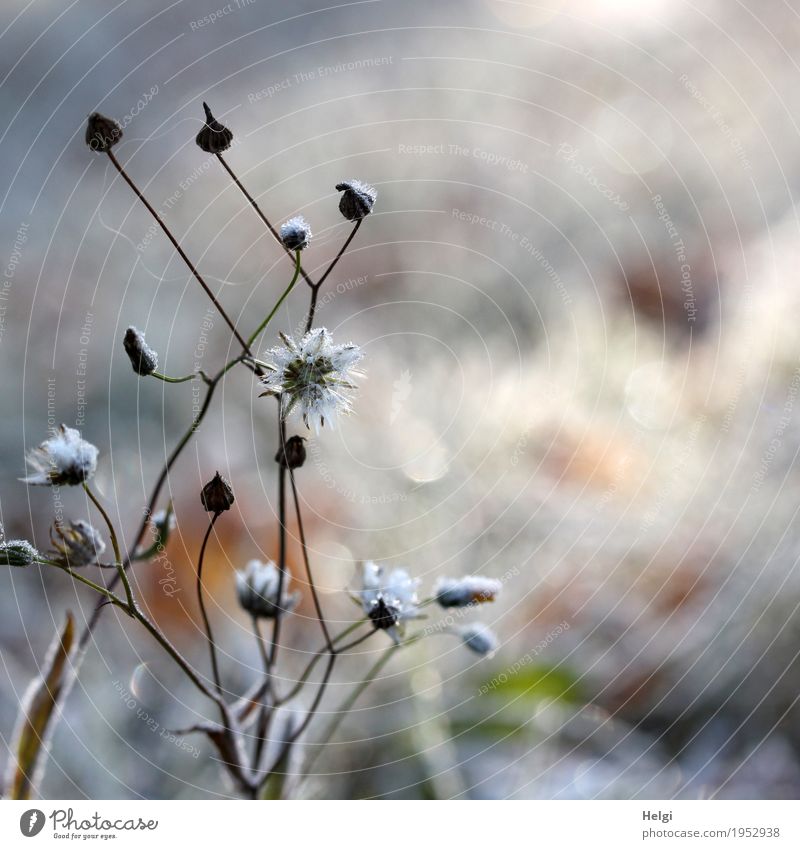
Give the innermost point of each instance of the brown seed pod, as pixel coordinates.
(214, 137)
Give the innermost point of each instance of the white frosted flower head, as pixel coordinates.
(463, 592)
(17, 552)
(388, 599)
(257, 590)
(296, 233)
(63, 459)
(77, 545)
(313, 376)
(479, 638)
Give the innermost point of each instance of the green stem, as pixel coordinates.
(166, 379)
(115, 545)
(112, 597)
(277, 306)
(349, 702)
(313, 662)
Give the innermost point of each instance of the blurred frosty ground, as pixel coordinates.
(578, 302)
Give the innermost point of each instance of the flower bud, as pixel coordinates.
(102, 133)
(357, 200)
(295, 233)
(214, 137)
(479, 638)
(293, 454)
(17, 552)
(217, 495)
(462, 592)
(143, 358)
(78, 545)
(257, 590)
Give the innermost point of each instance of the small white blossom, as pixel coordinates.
(388, 599)
(462, 592)
(313, 375)
(257, 590)
(64, 458)
(296, 233)
(78, 545)
(479, 638)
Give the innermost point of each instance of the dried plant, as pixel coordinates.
(310, 375)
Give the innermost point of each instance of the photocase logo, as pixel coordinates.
(401, 391)
(31, 822)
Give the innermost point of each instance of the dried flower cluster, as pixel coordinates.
(309, 374)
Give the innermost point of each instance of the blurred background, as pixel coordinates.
(577, 298)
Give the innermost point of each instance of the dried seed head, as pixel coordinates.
(296, 233)
(102, 133)
(78, 545)
(312, 375)
(257, 590)
(357, 200)
(294, 454)
(217, 495)
(17, 552)
(143, 358)
(62, 460)
(214, 137)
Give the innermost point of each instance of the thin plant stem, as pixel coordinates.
(281, 544)
(263, 719)
(203, 612)
(260, 214)
(120, 566)
(315, 287)
(258, 692)
(275, 309)
(326, 677)
(304, 547)
(140, 617)
(167, 379)
(347, 705)
(353, 643)
(104, 591)
(176, 244)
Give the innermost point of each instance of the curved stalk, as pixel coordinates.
(115, 545)
(203, 612)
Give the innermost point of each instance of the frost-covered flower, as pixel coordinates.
(64, 458)
(462, 592)
(78, 545)
(257, 590)
(313, 375)
(389, 600)
(17, 552)
(357, 200)
(296, 233)
(479, 638)
(143, 358)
